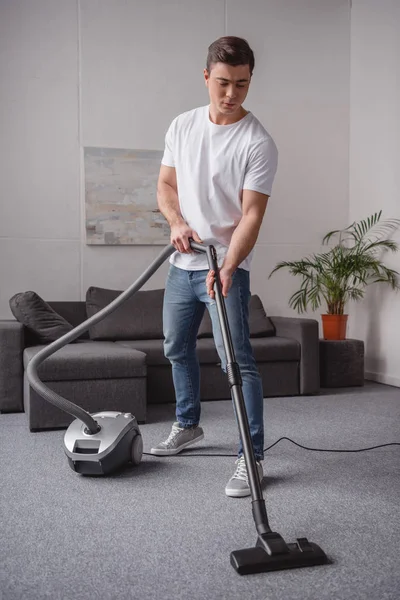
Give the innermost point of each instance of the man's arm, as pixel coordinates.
(243, 239)
(168, 203)
(167, 195)
(246, 233)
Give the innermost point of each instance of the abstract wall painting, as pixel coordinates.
(121, 197)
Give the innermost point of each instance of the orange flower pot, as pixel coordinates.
(334, 327)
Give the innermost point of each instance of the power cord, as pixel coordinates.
(296, 444)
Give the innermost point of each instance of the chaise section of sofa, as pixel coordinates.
(95, 375)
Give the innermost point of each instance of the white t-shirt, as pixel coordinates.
(214, 163)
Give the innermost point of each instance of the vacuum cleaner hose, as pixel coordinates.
(32, 369)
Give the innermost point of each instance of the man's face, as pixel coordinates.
(227, 86)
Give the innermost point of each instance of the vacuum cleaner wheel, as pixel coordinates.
(137, 449)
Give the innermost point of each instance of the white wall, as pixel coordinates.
(375, 168)
(115, 74)
(40, 243)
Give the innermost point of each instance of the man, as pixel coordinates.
(215, 179)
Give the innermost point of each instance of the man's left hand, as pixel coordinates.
(225, 276)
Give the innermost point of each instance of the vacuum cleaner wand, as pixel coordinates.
(271, 552)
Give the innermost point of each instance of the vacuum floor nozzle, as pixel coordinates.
(271, 553)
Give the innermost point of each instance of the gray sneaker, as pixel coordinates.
(238, 485)
(178, 439)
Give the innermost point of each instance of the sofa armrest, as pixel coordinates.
(11, 366)
(306, 332)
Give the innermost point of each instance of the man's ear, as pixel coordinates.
(206, 76)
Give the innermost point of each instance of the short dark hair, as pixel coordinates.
(232, 51)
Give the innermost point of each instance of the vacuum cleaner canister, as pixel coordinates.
(117, 443)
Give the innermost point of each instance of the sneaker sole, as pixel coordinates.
(166, 452)
(238, 493)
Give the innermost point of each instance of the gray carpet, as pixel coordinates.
(164, 530)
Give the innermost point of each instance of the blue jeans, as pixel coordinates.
(184, 304)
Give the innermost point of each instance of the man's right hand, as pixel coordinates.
(180, 234)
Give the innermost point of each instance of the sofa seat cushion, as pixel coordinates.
(154, 350)
(275, 349)
(268, 349)
(89, 360)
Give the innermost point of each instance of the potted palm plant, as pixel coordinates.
(344, 271)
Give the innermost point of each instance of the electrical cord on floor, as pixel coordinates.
(296, 444)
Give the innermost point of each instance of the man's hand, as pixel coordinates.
(225, 276)
(180, 234)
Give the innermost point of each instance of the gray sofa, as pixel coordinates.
(120, 365)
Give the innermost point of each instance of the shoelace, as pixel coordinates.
(171, 438)
(241, 471)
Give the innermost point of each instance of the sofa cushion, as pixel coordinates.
(268, 349)
(275, 349)
(89, 360)
(36, 314)
(138, 318)
(73, 311)
(260, 325)
(154, 350)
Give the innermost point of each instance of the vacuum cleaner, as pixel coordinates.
(101, 443)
